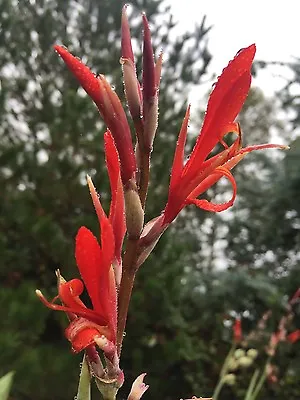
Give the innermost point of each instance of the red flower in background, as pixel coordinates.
(99, 265)
(294, 336)
(237, 330)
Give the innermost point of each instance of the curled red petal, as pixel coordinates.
(82, 333)
(209, 206)
(76, 310)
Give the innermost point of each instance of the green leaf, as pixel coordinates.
(5, 385)
(84, 386)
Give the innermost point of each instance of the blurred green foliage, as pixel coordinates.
(51, 136)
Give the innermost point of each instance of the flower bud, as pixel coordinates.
(134, 211)
(232, 364)
(245, 361)
(252, 353)
(239, 353)
(229, 379)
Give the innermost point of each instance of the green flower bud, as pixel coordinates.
(252, 353)
(232, 364)
(229, 379)
(245, 361)
(239, 353)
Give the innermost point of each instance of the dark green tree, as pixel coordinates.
(50, 137)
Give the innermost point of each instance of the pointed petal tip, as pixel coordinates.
(60, 49)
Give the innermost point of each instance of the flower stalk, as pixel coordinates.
(107, 272)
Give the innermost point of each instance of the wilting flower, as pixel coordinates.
(99, 265)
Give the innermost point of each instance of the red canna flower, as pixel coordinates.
(201, 172)
(95, 266)
(294, 336)
(100, 266)
(110, 108)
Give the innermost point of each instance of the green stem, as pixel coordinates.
(260, 382)
(218, 389)
(224, 370)
(127, 281)
(252, 385)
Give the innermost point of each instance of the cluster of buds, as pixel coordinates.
(106, 272)
(241, 358)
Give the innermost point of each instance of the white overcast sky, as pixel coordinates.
(273, 25)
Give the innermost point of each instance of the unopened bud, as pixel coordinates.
(239, 353)
(134, 211)
(229, 379)
(232, 364)
(132, 88)
(245, 361)
(252, 353)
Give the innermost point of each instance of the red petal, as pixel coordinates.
(225, 102)
(90, 264)
(96, 200)
(117, 207)
(76, 310)
(94, 265)
(177, 166)
(149, 86)
(294, 336)
(87, 79)
(81, 333)
(126, 46)
(209, 206)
